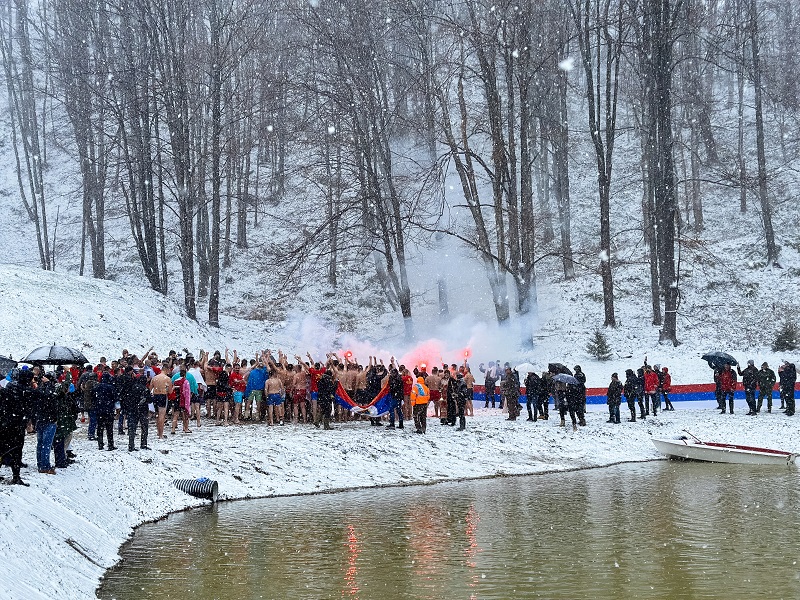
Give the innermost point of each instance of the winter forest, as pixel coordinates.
(190, 144)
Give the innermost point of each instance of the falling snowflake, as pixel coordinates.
(567, 64)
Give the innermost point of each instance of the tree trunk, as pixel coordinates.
(766, 208)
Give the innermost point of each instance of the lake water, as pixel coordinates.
(655, 530)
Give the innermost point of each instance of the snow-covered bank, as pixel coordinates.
(58, 536)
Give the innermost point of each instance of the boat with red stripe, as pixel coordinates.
(693, 448)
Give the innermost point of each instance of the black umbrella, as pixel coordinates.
(55, 355)
(564, 378)
(556, 368)
(6, 364)
(717, 360)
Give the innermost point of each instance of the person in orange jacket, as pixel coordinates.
(420, 396)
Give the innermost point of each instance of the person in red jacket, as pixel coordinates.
(727, 384)
(651, 394)
(666, 387)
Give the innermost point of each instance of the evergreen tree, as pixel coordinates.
(786, 338)
(598, 346)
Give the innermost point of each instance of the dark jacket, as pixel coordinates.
(749, 377)
(127, 394)
(581, 377)
(67, 409)
(460, 392)
(326, 389)
(85, 385)
(788, 376)
(105, 396)
(374, 379)
(15, 406)
(631, 385)
(396, 386)
(639, 383)
(510, 388)
(614, 394)
(45, 403)
(140, 392)
(766, 379)
(574, 396)
(533, 386)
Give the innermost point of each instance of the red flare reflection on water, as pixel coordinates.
(351, 586)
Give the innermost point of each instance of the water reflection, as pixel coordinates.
(660, 530)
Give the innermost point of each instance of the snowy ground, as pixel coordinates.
(58, 536)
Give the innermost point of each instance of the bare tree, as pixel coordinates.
(601, 35)
(25, 130)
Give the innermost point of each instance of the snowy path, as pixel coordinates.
(58, 536)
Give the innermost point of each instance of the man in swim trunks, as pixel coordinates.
(160, 387)
(274, 390)
(299, 392)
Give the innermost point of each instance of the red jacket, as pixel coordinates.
(666, 385)
(650, 382)
(727, 381)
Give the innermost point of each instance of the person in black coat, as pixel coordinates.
(326, 390)
(396, 392)
(533, 385)
(581, 377)
(133, 398)
(787, 373)
(629, 389)
(614, 398)
(140, 412)
(375, 375)
(460, 393)
(105, 397)
(750, 385)
(45, 407)
(573, 404)
(643, 408)
(14, 414)
(545, 391)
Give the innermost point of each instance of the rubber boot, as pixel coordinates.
(574, 427)
(563, 424)
(633, 417)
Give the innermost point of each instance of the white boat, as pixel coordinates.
(695, 449)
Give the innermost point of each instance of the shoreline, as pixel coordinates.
(82, 518)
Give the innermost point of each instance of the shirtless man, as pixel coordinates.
(361, 385)
(160, 387)
(211, 369)
(314, 374)
(299, 392)
(469, 379)
(274, 391)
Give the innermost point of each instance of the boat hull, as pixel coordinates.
(691, 450)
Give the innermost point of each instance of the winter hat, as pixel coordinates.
(656, 367)
(751, 362)
(764, 365)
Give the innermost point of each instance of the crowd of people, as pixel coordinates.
(756, 382)
(127, 393)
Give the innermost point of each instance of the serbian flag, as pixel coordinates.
(380, 405)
